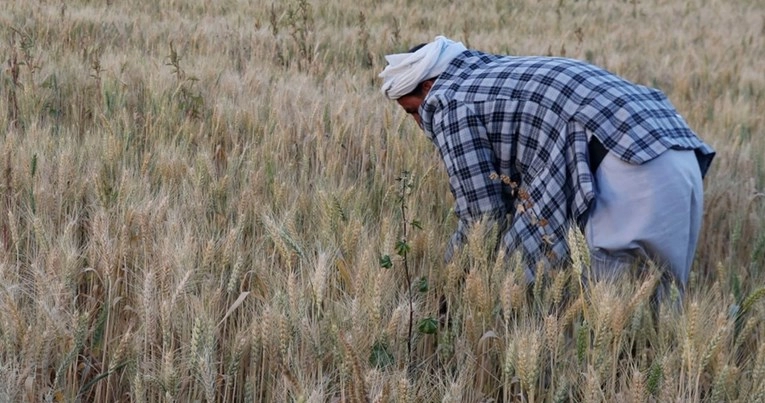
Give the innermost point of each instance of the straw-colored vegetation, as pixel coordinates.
(197, 199)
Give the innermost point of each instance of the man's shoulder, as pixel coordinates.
(475, 68)
(474, 61)
(476, 57)
(464, 69)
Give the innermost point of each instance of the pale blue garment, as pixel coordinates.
(652, 210)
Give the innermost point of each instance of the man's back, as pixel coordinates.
(635, 122)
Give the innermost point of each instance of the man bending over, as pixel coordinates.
(538, 143)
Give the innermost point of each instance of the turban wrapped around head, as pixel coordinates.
(406, 70)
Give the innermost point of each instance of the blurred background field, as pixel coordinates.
(198, 198)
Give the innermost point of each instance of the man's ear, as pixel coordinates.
(426, 85)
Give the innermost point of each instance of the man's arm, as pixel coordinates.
(470, 163)
(540, 221)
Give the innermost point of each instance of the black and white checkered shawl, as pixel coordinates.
(528, 119)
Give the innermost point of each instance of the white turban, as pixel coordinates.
(406, 70)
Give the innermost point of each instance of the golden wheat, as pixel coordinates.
(195, 197)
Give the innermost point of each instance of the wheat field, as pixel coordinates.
(210, 201)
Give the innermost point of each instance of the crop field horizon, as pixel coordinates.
(211, 201)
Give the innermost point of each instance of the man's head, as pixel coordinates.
(411, 102)
(409, 76)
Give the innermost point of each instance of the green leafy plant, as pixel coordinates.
(300, 20)
(403, 248)
(189, 99)
(380, 356)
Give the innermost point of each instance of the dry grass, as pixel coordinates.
(195, 197)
